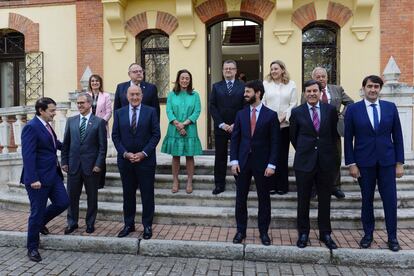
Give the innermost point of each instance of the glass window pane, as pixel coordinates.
(319, 35)
(7, 84)
(22, 83)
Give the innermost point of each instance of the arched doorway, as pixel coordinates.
(238, 39)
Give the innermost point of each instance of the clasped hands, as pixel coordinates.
(235, 170)
(181, 127)
(95, 169)
(227, 128)
(134, 157)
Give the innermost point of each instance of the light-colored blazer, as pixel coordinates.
(104, 107)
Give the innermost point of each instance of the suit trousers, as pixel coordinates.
(40, 215)
(323, 182)
(75, 184)
(281, 178)
(337, 182)
(136, 176)
(220, 160)
(385, 177)
(242, 190)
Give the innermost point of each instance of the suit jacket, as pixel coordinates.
(338, 98)
(224, 106)
(40, 161)
(314, 148)
(150, 96)
(88, 153)
(145, 139)
(263, 145)
(103, 106)
(365, 146)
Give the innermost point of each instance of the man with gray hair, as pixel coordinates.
(336, 96)
(83, 157)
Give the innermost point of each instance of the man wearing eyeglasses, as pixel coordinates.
(136, 75)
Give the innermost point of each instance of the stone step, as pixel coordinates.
(227, 199)
(220, 216)
(206, 182)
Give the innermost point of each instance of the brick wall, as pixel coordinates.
(89, 24)
(396, 21)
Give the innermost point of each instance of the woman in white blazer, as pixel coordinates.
(280, 96)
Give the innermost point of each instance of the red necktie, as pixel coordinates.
(324, 96)
(253, 120)
(49, 128)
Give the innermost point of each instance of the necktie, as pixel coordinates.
(49, 129)
(134, 119)
(324, 96)
(376, 120)
(82, 129)
(315, 119)
(253, 121)
(229, 86)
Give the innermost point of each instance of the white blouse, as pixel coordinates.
(281, 98)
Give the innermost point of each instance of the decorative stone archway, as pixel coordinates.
(28, 28)
(163, 21)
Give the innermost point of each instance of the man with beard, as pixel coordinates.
(253, 152)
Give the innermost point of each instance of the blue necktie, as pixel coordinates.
(376, 120)
(229, 86)
(82, 128)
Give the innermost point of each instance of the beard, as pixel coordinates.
(250, 101)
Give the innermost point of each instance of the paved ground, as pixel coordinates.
(17, 221)
(13, 261)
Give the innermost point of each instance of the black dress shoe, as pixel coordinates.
(90, 229)
(239, 237)
(366, 241)
(70, 229)
(393, 245)
(338, 194)
(44, 230)
(302, 240)
(281, 192)
(34, 255)
(147, 233)
(328, 241)
(217, 190)
(265, 239)
(272, 192)
(125, 231)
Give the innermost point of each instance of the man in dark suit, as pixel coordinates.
(374, 152)
(336, 96)
(226, 98)
(136, 133)
(253, 152)
(136, 75)
(83, 157)
(313, 135)
(41, 174)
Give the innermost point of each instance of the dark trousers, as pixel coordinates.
(262, 186)
(337, 182)
(220, 160)
(40, 215)
(385, 177)
(134, 176)
(75, 184)
(323, 182)
(281, 178)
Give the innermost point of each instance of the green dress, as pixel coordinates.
(182, 107)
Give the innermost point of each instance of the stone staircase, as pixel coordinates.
(203, 208)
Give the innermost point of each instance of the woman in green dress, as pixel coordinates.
(183, 110)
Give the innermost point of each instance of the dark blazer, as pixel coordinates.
(39, 155)
(88, 153)
(313, 148)
(365, 146)
(264, 144)
(224, 106)
(145, 139)
(150, 95)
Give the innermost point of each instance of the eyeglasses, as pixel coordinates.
(80, 103)
(229, 69)
(137, 71)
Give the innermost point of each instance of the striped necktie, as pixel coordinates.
(82, 129)
(315, 119)
(229, 86)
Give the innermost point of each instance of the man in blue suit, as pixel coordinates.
(136, 133)
(41, 174)
(150, 93)
(83, 157)
(374, 152)
(253, 152)
(226, 99)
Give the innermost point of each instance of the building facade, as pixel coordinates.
(46, 45)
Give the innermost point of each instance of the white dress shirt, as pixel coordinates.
(88, 116)
(370, 111)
